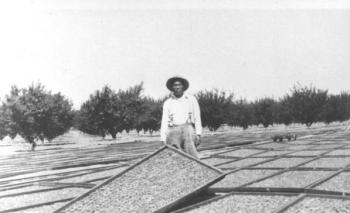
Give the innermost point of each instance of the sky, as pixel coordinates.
(254, 50)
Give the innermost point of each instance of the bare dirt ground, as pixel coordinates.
(43, 180)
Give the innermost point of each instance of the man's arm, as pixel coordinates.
(197, 117)
(164, 123)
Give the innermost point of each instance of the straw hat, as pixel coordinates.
(170, 82)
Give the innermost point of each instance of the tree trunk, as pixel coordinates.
(31, 142)
(33, 146)
(308, 124)
(113, 133)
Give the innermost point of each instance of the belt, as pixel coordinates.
(185, 124)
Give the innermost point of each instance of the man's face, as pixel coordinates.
(178, 88)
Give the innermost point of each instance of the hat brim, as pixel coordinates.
(170, 82)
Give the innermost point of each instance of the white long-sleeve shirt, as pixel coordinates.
(177, 111)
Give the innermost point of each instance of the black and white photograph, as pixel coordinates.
(175, 106)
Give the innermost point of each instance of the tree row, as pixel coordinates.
(37, 114)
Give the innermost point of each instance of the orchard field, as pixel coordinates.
(301, 175)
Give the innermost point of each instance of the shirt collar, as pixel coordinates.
(185, 95)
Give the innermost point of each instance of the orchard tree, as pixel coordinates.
(306, 104)
(110, 112)
(242, 114)
(337, 108)
(264, 110)
(131, 106)
(4, 123)
(150, 116)
(331, 111)
(36, 114)
(345, 106)
(100, 115)
(283, 113)
(215, 107)
(153, 121)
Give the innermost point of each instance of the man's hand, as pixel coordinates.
(163, 142)
(197, 140)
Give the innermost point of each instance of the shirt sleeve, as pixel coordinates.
(164, 123)
(197, 117)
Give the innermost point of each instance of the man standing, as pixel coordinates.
(181, 125)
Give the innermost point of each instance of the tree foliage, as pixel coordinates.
(306, 104)
(35, 114)
(283, 114)
(337, 108)
(150, 116)
(242, 114)
(215, 107)
(4, 123)
(110, 112)
(100, 114)
(265, 111)
(131, 106)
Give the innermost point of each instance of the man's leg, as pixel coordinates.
(189, 137)
(174, 137)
